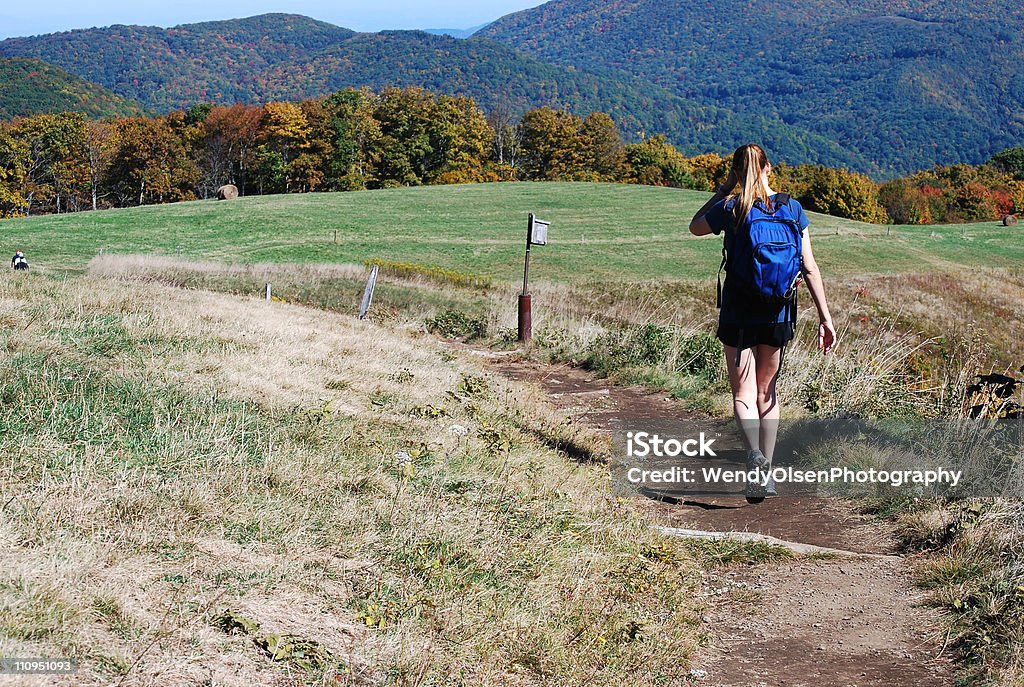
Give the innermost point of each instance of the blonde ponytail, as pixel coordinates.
(748, 162)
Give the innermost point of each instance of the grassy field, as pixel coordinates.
(599, 231)
(190, 471)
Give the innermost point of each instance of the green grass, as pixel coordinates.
(598, 231)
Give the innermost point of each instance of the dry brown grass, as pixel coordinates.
(118, 266)
(909, 346)
(976, 576)
(908, 343)
(169, 455)
(986, 306)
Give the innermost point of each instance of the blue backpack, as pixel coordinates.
(763, 260)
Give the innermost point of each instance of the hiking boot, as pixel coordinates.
(756, 459)
(755, 491)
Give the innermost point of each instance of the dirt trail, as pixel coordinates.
(814, 622)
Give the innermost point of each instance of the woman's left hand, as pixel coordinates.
(826, 337)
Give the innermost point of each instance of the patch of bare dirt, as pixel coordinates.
(591, 399)
(811, 623)
(849, 622)
(809, 520)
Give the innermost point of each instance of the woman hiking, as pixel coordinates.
(766, 249)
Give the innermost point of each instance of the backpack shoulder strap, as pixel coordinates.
(725, 259)
(780, 201)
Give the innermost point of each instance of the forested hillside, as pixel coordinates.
(880, 87)
(166, 69)
(904, 84)
(29, 87)
(287, 57)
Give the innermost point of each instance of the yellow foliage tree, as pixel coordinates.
(285, 136)
(709, 170)
(842, 193)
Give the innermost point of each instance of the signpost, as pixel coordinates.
(536, 235)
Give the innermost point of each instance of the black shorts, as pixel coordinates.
(777, 335)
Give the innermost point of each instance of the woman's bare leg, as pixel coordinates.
(766, 372)
(744, 395)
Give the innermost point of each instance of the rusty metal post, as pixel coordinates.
(525, 318)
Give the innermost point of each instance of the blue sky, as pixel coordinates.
(21, 18)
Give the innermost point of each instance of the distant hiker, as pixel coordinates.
(766, 249)
(19, 262)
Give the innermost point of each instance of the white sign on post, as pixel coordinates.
(539, 232)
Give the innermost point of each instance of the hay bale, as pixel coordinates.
(1009, 220)
(227, 192)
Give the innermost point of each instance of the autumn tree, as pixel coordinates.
(603, 150)
(905, 202)
(13, 159)
(506, 141)
(955, 193)
(284, 138)
(842, 193)
(208, 150)
(355, 136)
(459, 140)
(404, 150)
(227, 151)
(308, 169)
(150, 162)
(55, 163)
(656, 162)
(100, 146)
(1015, 191)
(551, 144)
(709, 171)
(971, 202)
(795, 180)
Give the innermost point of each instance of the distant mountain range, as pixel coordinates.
(875, 85)
(30, 86)
(165, 69)
(456, 33)
(288, 57)
(902, 84)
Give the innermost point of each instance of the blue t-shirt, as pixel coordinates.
(735, 309)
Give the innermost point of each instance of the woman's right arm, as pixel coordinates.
(699, 225)
(826, 330)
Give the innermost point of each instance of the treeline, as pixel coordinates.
(357, 139)
(941, 195)
(351, 140)
(958, 193)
